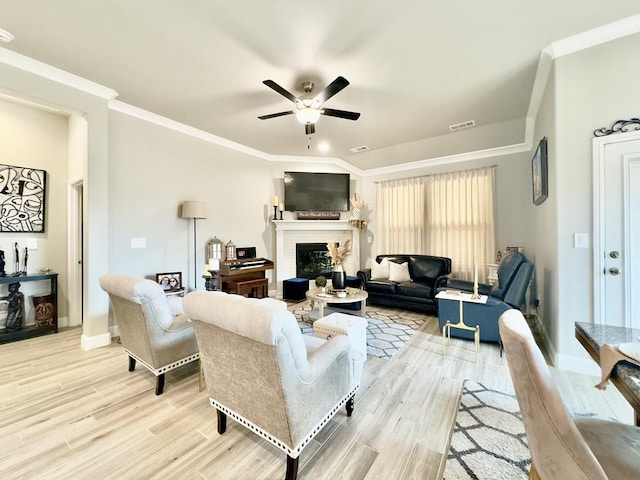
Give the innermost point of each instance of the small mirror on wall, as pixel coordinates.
(539, 173)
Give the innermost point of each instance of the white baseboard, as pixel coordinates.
(568, 362)
(97, 341)
(115, 332)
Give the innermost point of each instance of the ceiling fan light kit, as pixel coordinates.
(308, 115)
(309, 109)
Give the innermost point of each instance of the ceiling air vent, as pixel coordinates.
(363, 148)
(460, 126)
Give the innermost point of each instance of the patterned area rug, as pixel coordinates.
(388, 330)
(488, 442)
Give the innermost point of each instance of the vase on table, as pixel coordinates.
(339, 278)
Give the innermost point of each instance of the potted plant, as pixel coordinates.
(321, 282)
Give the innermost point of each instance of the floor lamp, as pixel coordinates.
(194, 210)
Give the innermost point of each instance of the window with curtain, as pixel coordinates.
(450, 214)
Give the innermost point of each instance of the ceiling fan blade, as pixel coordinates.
(331, 89)
(340, 113)
(309, 129)
(274, 115)
(280, 90)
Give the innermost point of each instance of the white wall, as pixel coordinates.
(153, 169)
(593, 88)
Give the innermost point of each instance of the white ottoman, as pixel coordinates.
(353, 327)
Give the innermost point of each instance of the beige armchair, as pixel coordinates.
(562, 446)
(262, 372)
(153, 329)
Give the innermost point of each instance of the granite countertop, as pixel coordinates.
(597, 335)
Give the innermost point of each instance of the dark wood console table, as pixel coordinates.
(29, 331)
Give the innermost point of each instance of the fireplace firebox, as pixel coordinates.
(313, 259)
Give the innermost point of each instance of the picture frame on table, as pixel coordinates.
(170, 281)
(245, 252)
(539, 173)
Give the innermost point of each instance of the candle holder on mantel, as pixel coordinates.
(275, 212)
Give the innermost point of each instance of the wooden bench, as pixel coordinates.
(256, 288)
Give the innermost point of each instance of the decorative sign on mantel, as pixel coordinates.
(318, 215)
(22, 197)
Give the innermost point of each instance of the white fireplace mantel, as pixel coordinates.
(282, 225)
(290, 232)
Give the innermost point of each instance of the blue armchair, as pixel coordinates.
(514, 275)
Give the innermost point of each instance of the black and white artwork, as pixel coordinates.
(22, 198)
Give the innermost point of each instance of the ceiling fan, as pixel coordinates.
(308, 109)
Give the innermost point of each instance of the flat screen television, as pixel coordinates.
(316, 192)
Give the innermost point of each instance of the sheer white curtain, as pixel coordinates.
(450, 214)
(400, 216)
(461, 219)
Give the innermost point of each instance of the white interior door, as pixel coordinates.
(617, 230)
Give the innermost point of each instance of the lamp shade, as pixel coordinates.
(191, 209)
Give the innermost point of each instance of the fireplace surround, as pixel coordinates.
(290, 232)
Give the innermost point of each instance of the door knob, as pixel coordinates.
(614, 254)
(614, 271)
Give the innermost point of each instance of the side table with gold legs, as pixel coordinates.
(461, 297)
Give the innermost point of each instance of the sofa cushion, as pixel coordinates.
(380, 271)
(399, 272)
(414, 289)
(381, 286)
(427, 269)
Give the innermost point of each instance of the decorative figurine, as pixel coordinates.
(16, 260)
(15, 308)
(2, 272)
(26, 258)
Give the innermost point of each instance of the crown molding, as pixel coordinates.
(22, 62)
(180, 127)
(125, 108)
(444, 160)
(595, 36)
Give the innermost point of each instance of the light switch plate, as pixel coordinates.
(580, 240)
(138, 243)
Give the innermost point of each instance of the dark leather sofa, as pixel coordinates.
(428, 273)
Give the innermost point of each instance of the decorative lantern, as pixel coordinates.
(231, 251)
(214, 249)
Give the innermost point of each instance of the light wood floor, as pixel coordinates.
(73, 414)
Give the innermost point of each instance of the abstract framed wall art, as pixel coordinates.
(22, 199)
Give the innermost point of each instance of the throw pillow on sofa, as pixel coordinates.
(399, 272)
(380, 271)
